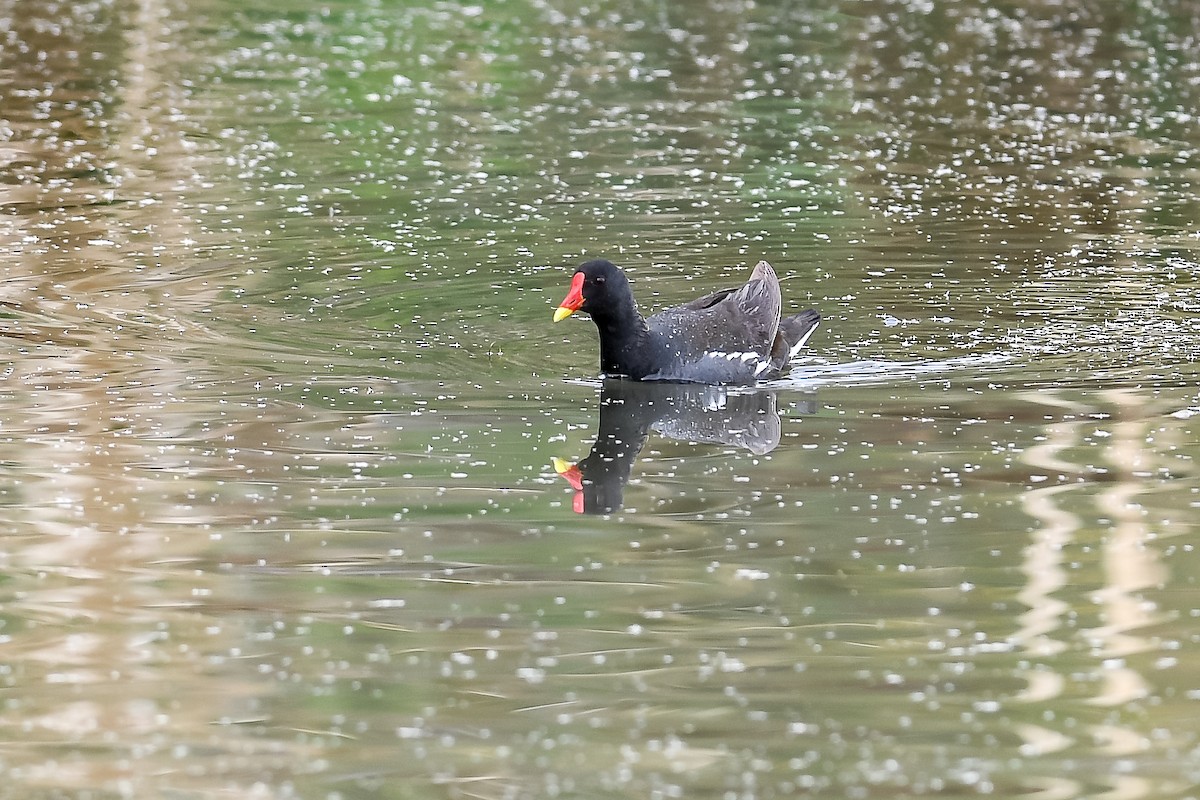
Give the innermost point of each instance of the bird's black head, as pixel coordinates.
(597, 285)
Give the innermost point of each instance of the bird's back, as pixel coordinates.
(722, 337)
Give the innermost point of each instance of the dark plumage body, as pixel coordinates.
(734, 336)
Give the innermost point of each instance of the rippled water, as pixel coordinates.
(284, 415)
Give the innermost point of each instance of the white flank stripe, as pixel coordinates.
(736, 356)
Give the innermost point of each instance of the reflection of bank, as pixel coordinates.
(1097, 510)
(115, 461)
(629, 410)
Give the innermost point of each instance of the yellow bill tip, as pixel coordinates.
(561, 465)
(562, 312)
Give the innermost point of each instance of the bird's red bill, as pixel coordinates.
(574, 299)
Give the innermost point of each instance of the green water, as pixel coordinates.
(282, 401)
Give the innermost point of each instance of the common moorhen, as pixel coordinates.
(734, 336)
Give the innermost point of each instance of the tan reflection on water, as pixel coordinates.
(1128, 566)
(1129, 563)
(98, 322)
(1043, 562)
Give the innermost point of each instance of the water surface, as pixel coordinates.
(283, 402)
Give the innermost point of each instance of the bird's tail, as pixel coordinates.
(795, 330)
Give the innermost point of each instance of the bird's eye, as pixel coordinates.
(600, 279)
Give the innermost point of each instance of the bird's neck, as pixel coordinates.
(624, 342)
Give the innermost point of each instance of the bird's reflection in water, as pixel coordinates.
(689, 412)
